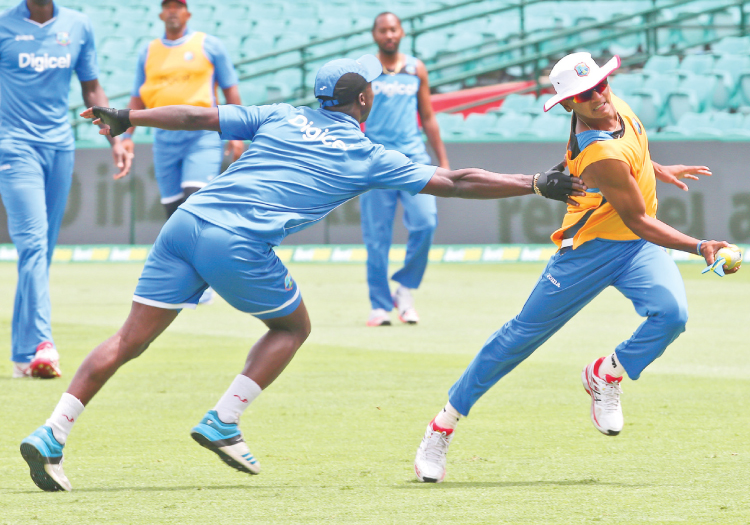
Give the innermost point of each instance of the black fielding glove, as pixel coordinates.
(118, 120)
(553, 184)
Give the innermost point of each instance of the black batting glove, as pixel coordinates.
(118, 120)
(554, 184)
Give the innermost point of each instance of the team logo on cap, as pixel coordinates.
(582, 69)
(62, 38)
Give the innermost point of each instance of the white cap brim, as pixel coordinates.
(601, 74)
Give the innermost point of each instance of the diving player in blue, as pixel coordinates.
(41, 44)
(401, 91)
(302, 164)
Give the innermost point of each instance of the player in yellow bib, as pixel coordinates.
(183, 68)
(611, 238)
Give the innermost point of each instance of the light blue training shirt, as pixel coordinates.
(302, 164)
(393, 119)
(224, 75)
(36, 64)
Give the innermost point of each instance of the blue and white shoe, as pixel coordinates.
(43, 453)
(225, 439)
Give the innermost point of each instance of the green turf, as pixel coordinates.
(336, 434)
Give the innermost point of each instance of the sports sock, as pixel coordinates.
(610, 366)
(448, 417)
(65, 414)
(236, 399)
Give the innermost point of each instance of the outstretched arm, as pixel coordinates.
(621, 190)
(673, 174)
(473, 183)
(189, 118)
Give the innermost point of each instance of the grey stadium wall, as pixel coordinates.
(99, 209)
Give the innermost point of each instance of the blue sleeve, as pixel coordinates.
(242, 122)
(224, 71)
(393, 170)
(140, 72)
(86, 66)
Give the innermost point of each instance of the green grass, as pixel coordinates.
(336, 434)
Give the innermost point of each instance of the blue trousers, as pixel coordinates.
(641, 271)
(34, 183)
(378, 209)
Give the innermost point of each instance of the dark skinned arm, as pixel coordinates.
(621, 190)
(473, 183)
(188, 118)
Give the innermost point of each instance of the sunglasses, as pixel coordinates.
(586, 95)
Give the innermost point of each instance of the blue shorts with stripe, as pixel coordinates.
(191, 254)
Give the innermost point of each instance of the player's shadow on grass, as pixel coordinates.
(158, 489)
(500, 484)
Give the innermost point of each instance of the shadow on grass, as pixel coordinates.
(446, 485)
(155, 489)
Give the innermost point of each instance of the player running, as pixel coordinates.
(302, 164)
(183, 67)
(41, 44)
(612, 239)
(401, 91)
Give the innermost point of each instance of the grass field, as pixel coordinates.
(337, 433)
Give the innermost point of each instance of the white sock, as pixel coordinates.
(65, 414)
(611, 366)
(448, 417)
(237, 398)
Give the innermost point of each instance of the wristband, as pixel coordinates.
(698, 248)
(126, 136)
(535, 187)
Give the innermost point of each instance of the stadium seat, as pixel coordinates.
(510, 125)
(679, 102)
(693, 125)
(647, 105)
(517, 103)
(732, 66)
(737, 45)
(697, 64)
(625, 83)
(450, 123)
(548, 126)
(661, 63)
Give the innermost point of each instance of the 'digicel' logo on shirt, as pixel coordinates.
(313, 134)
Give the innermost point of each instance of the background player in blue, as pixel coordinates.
(41, 44)
(183, 67)
(301, 165)
(401, 91)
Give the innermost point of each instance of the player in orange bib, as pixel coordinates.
(612, 238)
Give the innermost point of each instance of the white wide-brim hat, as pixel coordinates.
(576, 73)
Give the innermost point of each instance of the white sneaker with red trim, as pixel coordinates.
(46, 362)
(429, 465)
(404, 303)
(21, 370)
(379, 317)
(606, 411)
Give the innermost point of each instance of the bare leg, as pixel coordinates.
(271, 353)
(143, 325)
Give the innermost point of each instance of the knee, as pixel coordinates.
(674, 315)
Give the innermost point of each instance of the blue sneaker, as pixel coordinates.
(225, 439)
(43, 453)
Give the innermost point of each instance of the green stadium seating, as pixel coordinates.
(732, 45)
(515, 103)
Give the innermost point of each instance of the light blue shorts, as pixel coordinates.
(191, 254)
(190, 164)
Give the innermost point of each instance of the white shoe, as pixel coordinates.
(606, 411)
(379, 317)
(429, 464)
(207, 297)
(404, 303)
(46, 362)
(21, 370)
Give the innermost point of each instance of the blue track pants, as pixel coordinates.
(642, 271)
(378, 209)
(34, 183)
